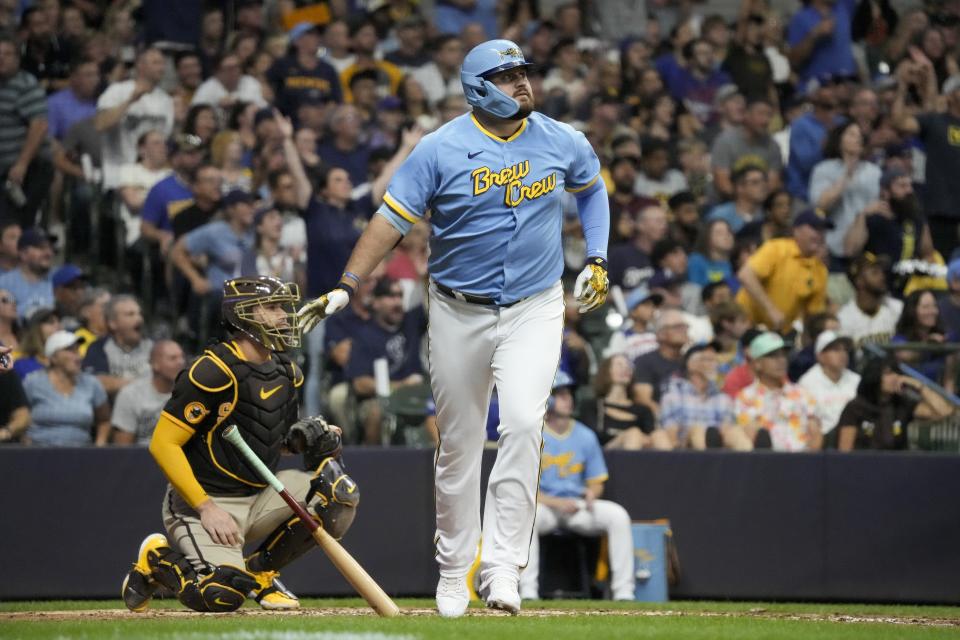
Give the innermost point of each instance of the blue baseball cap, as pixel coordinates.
(68, 274)
(299, 29)
(34, 237)
(236, 196)
(953, 270)
(812, 218)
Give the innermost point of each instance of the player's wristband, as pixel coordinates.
(351, 276)
(346, 287)
(597, 260)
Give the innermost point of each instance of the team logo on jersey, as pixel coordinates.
(195, 412)
(563, 462)
(511, 179)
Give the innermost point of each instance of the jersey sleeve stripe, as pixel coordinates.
(584, 187)
(177, 421)
(601, 478)
(398, 209)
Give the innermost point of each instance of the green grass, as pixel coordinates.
(694, 620)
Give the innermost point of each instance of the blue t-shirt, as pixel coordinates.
(165, 200)
(224, 250)
(64, 110)
(569, 461)
(30, 296)
(727, 211)
(331, 236)
(401, 348)
(806, 150)
(702, 271)
(58, 420)
(496, 208)
(832, 55)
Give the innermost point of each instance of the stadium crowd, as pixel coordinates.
(779, 184)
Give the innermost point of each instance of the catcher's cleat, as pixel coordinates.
(271, 594)
(139, 585)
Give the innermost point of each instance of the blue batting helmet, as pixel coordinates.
(484, 60)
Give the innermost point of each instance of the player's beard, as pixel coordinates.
(522, 113)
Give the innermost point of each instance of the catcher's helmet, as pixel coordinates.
(484, 60)
(244, 307)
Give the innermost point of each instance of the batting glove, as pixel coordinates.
(592, 285)
(326, 305)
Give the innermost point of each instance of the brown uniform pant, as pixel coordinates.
(256, 516)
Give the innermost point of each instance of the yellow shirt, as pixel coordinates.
(795, 285)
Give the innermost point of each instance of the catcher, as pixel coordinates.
(215, 503)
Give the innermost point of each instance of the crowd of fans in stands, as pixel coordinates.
(781, 193)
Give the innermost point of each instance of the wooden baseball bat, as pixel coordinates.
(359, 579)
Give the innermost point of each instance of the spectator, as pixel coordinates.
(206, 202)
(170, 196)
(630, 265)
(750, 191)
(741, 375)
(710, 262)
(653, 370)
(805, 358)
(139, 403)
(201, 121)
(746, 61)
(696, 414)
(820, 40)
(9, 322)
(14, 409)
(950, 303)
(774, 410)
(843, 184)
(670, 260)
(68, 407)
(886, 403)
(228, 86)
(336, 42)
(137, 179)
(45, 55)
(408, 263)
(283, 195)
(697, 83)
(302, 74)
(93, 323)
(345, 148)
(871, 316)
(222, 242)
(635, 338)
(830, 381)
(24, 161)
(625, 204)
(70, 285)
(269, 258)
(785, 279)
(566, 77)
(619, 422)
(365, 43)
(9, 239)
(730, 107)
(748, 145)
(778, 209)
(128, 109)
(75, 102)
(189, 76)
(920, 322)
(943, 156)
(392, 335)
(729, 322)
(124, 353)
(440, 78)
(571, 482)
(41, 324)
(806, 139)
(893, 227)
(656, 179)
(686, 219)
(31, 283)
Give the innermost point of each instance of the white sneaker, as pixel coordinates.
(503, 594)
(452, 596)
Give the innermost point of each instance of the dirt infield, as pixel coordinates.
(762, 614)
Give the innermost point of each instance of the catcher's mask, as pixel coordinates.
(246, 307)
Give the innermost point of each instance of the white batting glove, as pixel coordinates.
(592, 285)
(326, 305)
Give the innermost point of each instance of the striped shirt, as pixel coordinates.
(22, 99)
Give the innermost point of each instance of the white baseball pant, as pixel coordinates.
(473, 347)
(605, 517)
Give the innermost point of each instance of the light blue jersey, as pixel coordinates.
(495, 203)
(569, 461)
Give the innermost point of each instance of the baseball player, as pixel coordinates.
(572, 474)
(492, 181)
(216, 502)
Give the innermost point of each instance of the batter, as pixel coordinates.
(492, 181)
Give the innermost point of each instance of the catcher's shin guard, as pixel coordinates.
(285, 544)
(223, 590)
